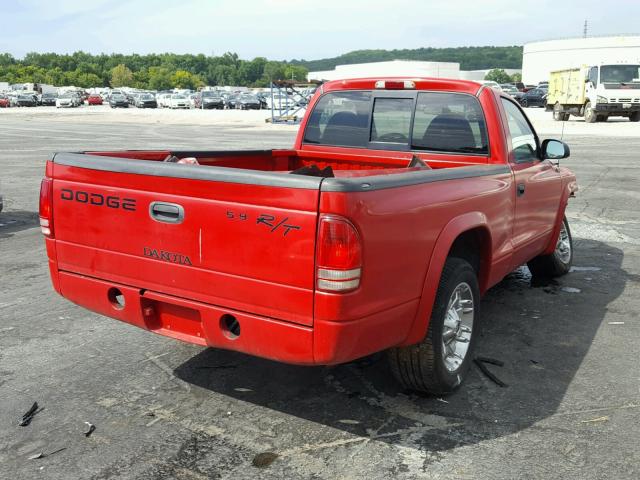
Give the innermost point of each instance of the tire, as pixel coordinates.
(634, 117)
(559, 262)
(524, 103)
(423, 366)
(558, 114)
(589, 114)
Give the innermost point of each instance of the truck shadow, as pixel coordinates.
(15, 221)
(541, 330)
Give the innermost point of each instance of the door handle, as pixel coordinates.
(166, 212)
(520, 189)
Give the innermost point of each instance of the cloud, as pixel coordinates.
(285, 29)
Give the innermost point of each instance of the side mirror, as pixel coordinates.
(554, 149)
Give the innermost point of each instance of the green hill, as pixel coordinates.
(470, 58)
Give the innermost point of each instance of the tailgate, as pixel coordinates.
(235, 238)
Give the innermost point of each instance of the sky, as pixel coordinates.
(288, 29)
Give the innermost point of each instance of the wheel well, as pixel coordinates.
(474, 246)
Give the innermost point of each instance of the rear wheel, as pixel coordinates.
(439, 363)
(559, 262)
(589, 113)
(525, 102)
(634, 117)
(558, 114)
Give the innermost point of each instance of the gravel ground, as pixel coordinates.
(167, 410)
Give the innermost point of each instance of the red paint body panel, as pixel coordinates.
(182, 280)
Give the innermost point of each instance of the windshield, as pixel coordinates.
(619, 73)
(178, 97)
(146, 96)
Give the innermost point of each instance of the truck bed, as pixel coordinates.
(245, 244)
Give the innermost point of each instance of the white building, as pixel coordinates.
(402, 68)
(541, 58)
(394, 68)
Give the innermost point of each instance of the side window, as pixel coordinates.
(593, 76)
(449, 122)
(340, 119)
(391, 120)
(523, 139)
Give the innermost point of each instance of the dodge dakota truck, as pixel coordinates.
(400, 204)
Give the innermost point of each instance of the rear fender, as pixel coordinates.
(441, 250)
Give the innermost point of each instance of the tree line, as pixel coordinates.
(469, 58)
(169, 70)
(153, 71)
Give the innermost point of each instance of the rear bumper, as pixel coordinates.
(325, 343)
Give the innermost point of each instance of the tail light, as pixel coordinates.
(46, 207)
(396, 84)
(339, 256)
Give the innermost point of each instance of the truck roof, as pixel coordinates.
(421, 83)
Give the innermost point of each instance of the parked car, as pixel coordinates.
(247, 101)
(49, 99)
(146, 100)
(536, 97)
(26, 100)
(209, 99)
(13, 99)
(380, 236)
(492, 84)
(163, 99)
(280, 101)
(509, 89)
(118, 100)
(262, 96)
(230, 100)
(67, 100)
(4, 101)
(177, 100)
(94, 99)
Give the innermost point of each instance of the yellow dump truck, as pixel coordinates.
(595, 92)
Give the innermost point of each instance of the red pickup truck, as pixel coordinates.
(400, 204)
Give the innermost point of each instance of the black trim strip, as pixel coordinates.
(220, 153)
(194, 172)
(253, 177)
(381, 182)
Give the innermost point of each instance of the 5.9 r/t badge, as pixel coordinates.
(272, 222)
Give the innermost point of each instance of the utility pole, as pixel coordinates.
(584, 31)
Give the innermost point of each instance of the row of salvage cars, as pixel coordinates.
(206, 99)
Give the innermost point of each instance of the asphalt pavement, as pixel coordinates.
(167, 410)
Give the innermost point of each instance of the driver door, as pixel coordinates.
(537, 187)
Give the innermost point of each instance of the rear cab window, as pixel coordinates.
(439, 122)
